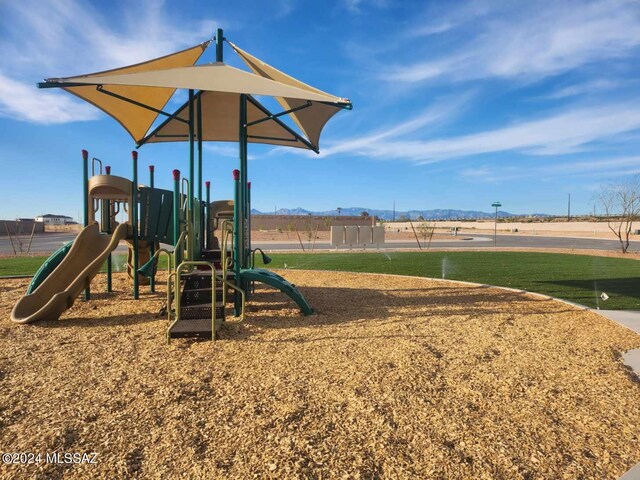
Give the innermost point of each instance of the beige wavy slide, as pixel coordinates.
(60, 289)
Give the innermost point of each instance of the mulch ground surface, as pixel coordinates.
(392, 378)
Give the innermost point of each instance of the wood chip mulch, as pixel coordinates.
(393, 378)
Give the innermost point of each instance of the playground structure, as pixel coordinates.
(210, 259)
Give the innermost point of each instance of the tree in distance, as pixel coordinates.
(620, 203)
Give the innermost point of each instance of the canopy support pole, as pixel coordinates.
(201, 241)
(289, 130)
(85, 203)
(154, 133)
(170, 116)
(241, 199)
(219, 45)
(152, 244)
(191, 171)
(134, 224)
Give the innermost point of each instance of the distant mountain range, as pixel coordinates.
(436, 214)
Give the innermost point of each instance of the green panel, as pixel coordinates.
(156, 215)
(275, 280)
(48, 266)
(165, 219)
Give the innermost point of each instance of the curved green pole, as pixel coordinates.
(237, 238)
(152, 247)
(134, 224)
(85, 202)
(107, 217)
(207, 223)
(176, 215)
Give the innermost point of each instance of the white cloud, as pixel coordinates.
(21, 101)
(222, 149)
(565, 132)
(437, 114)
(590, 87)
(69, 37)
(536, 40)
(599, 167)
(355, 6)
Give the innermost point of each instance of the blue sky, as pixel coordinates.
(456, 104)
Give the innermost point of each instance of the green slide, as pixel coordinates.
(266, 276)
(48, 266)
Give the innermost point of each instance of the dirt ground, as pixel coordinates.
(392, 378)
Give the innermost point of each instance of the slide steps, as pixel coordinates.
(195, 305)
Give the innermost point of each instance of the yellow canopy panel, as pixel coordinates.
(221, 116)
(135, 96)
(310, 120)
(135, 119)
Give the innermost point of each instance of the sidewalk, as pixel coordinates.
(631, 320)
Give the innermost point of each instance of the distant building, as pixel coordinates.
(50, 219)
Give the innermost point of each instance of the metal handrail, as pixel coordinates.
(188, 216)
(214, 277)
(227, 231)
(169, 277)
(93, 165)
(169, 254)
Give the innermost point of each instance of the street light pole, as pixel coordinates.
(495, 223)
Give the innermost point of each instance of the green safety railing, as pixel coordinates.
(214, 277)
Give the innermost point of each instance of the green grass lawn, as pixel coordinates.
(30, 265)
(578, 278)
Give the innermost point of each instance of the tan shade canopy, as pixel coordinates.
(221, 117)
(311, 120)
(135, 119)
(135, 96)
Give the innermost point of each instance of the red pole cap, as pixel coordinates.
(151, 168)
(107, 170)
(249, 185)
(207, 184)
(85, 155)
(134, 154)
(176, 174)
(236, 174)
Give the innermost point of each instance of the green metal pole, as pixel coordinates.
(207, 230)
(237, 306)
(134, 224)
(248, 217)
(85, 202)
(243, 181)
(107, 171)
(176, 214)
(244, 246)
(191, 172)
(219, 45)
(201, 230)
(152, 246)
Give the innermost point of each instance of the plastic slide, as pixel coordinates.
(60, 289)
(266, 276)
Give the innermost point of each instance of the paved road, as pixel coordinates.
(49, 242)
